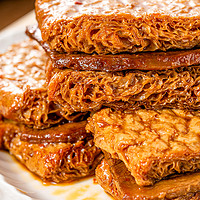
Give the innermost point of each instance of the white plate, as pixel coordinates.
(17, 183)
(25, 182)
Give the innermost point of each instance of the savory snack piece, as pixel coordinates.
(80, 91)
(114, 177)
(107, 26)
(64, 155)
(152, 144)
(118, 62)
(23, 88)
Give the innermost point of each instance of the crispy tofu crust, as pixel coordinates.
(115, 179)
(81, 91)
(152, 144)
(118, 62)
(23, 88)
(65, 155)
(107, 26)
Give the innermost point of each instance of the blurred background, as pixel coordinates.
(11, 10)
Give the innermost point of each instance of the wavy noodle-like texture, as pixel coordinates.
(55, 159)
(89, 90)
(152, 144)
(23, 89)
(107, 26)
(115, 179)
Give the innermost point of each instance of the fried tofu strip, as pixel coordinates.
(63, 153)
(107, 26)
(152, 144)
(23, 88)
(114, 177)
(117, 62)
(81, 91)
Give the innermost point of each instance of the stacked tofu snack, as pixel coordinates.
(110, 81)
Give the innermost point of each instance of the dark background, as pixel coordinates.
(11, 10)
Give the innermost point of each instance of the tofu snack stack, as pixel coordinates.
(144, 104)
(118, 76)
(32, 128)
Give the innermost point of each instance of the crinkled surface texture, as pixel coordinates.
(23, 88)
(152, 144)
(53, 158)
(113, 26)
(80, 91)
(114, 177)
(118, 62)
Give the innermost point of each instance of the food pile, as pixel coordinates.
(111, 85)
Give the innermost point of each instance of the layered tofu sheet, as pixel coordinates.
(32, 128)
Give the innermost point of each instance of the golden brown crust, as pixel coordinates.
(23, 89)
(114, 177)
(119, 62)
(152, 144)
(80, 91)
(51, 159)
(107, 26)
